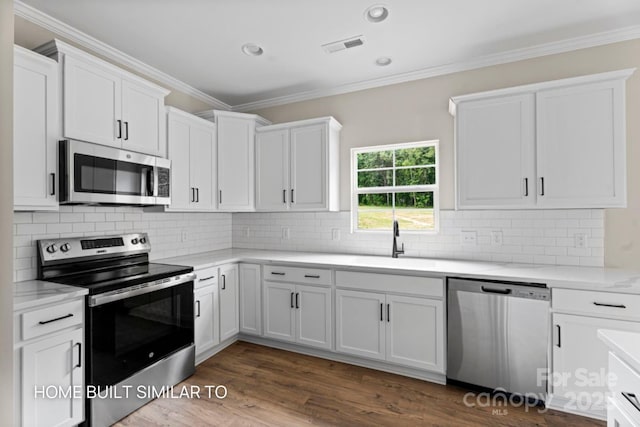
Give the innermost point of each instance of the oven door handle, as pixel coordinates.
(120, 294)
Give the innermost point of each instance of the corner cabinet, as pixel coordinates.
(49, 354)
(297, 166)
(236, 158)
(192, 150)
(107, 105)
(36, 130)
(558, 144)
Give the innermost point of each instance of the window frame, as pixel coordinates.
(435, 188)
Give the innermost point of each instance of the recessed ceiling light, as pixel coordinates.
(252, 49)
(376, 13)
(383, 61)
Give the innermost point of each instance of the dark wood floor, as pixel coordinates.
(269, 387)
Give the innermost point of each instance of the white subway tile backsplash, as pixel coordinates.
(205, 231)
(531, 236)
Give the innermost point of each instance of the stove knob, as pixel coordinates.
(52, 248)
(143, 240)
(134, 241)
(65, 247)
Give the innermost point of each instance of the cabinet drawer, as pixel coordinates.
(623, 379)
(423, 286)
(317, 276)
(596, 303)
(51, 319)
(206, 277)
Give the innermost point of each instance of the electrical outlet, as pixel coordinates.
(468, 237)
(580, 240)
(335, 234)
(496, 238)
(185, 236)
(246, 232)
(285, 233)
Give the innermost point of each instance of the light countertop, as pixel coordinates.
(34, 293)
(586, 278)
(625, 345)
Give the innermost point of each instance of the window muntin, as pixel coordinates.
(395, 182)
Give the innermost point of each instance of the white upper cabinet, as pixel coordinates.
(236, 158)
(297, 166)
(488, 131)
(107, 105)
(558, 144)
(192, 150)
(36, 130)
(581, 145)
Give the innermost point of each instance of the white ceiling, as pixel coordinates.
(199, 41)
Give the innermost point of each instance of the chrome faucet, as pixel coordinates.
(396, 232)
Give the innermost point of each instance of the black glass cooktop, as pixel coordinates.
(109, 279)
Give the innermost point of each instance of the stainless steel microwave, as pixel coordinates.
(95, 174)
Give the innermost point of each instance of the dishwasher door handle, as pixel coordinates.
(495, 291)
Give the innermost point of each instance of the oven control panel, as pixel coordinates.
(52, 250)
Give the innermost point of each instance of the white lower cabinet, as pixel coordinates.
(298, 313)
(400, 329)
(250, 299)
(229, 301)
(49, 364)
(207, 333)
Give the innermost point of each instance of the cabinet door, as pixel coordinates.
(272, 170)
(57, 362)
(142, 119)
(360, 324)
(250, 299)
(178, 141)
(415, 332)
(581, 145)
(495, 152)
(279, 314)
(313, 316)
(309, 167)
(35, 131)
(580, 360)
(92, 105)
(201, 151)
(236, 163)
(206, 318)
(229, 319)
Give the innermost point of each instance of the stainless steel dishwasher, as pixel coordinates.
(498, 335)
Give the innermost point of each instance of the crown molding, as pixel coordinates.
(76, 36)
(562, 46)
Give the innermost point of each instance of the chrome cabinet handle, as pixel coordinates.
(526, 187)
(119, 129)
(542, 186)
(79, 365)
(198, 307)
(53, 184)
(602, 304)
(56, 319)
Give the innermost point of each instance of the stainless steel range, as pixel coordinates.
(139, 318)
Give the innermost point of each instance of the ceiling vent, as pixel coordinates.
(349, 43)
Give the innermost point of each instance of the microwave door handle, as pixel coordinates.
(150, 185)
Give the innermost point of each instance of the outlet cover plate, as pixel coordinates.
(468, 237)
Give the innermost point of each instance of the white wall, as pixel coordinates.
(541, 237)
(204, 231)
(6, 211)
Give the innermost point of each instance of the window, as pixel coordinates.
(395, 182)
